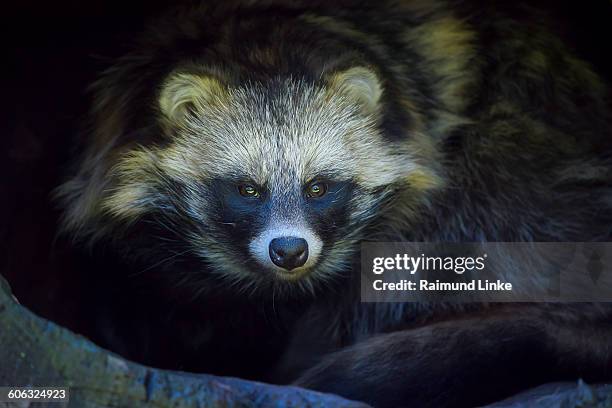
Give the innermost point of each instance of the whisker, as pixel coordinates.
(160, 262)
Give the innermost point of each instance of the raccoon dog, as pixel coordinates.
(240, 152)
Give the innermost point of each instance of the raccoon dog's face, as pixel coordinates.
(268, 181)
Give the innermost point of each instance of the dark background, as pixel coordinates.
(51, 51)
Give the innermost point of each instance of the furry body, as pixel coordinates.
(426, 121)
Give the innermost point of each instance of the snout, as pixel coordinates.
(288, 252)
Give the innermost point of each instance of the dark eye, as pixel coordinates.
(316, 189)
(247, 190)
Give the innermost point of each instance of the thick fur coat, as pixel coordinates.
(427, 121)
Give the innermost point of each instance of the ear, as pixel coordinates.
(361, 85)
(184, 94)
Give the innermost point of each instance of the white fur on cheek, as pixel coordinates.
(259, 247)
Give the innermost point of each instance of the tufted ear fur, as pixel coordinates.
(361, 85)
(183, 94)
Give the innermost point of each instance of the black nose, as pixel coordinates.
(289, 252)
